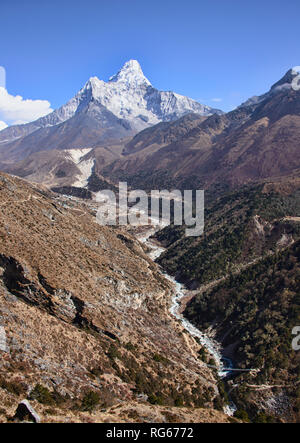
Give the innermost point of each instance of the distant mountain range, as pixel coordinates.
(100, 112)
(126, 129)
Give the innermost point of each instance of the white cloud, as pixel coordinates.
(217, 100)
(3, 125)
(15, 109)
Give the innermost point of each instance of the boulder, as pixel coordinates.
(25, 412)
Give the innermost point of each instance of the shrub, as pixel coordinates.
(263, 418)
(160, 359)
(113, 352)
(90, 401)
(178, 402)
(130, 347)
(202, 355)
(218, 403)
(155, 399)
(242, 415)
(42, 395)
(13, 387)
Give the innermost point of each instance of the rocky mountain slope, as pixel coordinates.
(257, 141)
(85, 321)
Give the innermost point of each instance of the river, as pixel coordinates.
(180, 291)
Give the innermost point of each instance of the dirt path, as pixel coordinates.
(20, 201)
(296, 219)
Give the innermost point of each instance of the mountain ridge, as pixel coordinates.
(121, 107)
(251, 143)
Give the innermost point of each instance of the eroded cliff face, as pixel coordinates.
(84, 309)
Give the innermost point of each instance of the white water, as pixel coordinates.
(179, 292)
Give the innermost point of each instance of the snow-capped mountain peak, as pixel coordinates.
(126, 104)
(130, 96)
(131, 74)
(92, 85)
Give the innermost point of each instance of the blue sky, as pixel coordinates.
(223, 49)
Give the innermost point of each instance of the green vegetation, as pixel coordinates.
(203, 355)
(179, 402)
(44, 396)
(113, 352)
(232, 236)
(257, 310)
(90, 400)
(262, 417)
(154, 379)
(160, 359)
(242, 415)
(130, 347)
(263, 305)
(156, 399)
(252, 248)
(13, 386)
